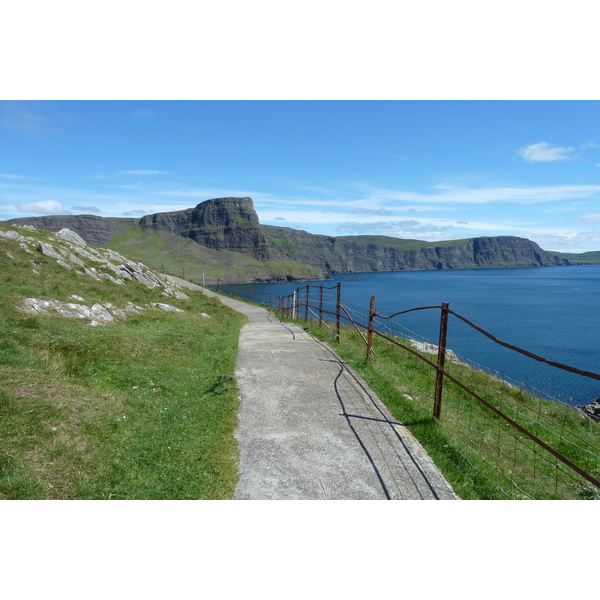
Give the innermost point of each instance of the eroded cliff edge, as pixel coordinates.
(224, 237)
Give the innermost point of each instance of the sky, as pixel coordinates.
(430, 120)
(421, 169)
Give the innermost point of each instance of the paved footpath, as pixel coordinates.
(311, 429)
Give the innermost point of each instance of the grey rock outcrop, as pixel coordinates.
(591, 410)
(221, 224)
(97, 313)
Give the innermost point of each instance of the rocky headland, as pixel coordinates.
(223, 237)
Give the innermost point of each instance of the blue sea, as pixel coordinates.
(549, 311)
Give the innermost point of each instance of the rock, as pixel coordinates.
(62, 263)
(145, 280)
(12, 235)
(76, 297)
(10, 255)
(71, 236)
(167, 307)
(591, 410)
(101, 313)
(48, 250)
(170, 291)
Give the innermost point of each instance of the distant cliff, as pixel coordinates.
(337, 255)
(95, 230)
(221, 224)
(224, 237)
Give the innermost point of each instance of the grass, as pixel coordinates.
(185, 258)
(141, 409)
(479, 453)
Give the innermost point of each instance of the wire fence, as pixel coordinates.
(524, 444)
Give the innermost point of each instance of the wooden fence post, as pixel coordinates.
(218, 285)
(306, 305)
(439, 378)
(321, 306)
(372, 313)
(338, 311)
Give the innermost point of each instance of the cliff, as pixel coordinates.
(342, 255)
(93, 229)
(221, 224)
(223, 238)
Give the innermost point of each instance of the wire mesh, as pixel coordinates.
(494, 422)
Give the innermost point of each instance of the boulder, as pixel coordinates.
(71, 236)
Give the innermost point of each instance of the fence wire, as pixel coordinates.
(489, 417)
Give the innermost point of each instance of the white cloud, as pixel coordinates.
(43, 207)
(7, 176)
(544, 152)
(520, 195)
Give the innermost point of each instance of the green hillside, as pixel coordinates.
(144, 407)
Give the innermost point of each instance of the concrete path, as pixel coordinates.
(310, 428)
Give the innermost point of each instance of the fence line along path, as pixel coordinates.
(310, 428)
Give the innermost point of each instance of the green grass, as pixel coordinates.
(481, 455)
(141, 409)
(185, 258)
(401, 244)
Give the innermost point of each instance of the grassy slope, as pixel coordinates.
(183, 257)
(398, 243)
(143, 409)
(590, 258)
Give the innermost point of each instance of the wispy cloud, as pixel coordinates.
(589, 218)
(544, 152)
(18, 177)
(520, 195)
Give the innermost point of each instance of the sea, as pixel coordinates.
(552, 312)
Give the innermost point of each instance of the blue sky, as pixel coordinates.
(429, 170)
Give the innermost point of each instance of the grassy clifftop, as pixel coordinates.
(140, 408)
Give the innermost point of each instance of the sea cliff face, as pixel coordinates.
(335, 255)
(221, 224)
(230, 228)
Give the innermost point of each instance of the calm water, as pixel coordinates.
(549, 311)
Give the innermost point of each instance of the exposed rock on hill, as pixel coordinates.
(229, 229)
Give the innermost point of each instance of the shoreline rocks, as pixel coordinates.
(591, 410)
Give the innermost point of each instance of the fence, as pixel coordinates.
(524, 445)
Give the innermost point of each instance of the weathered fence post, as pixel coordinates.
(306, 306)
(234, 289)
(270, 299)
(218, 285)
(372, 313)
(250, 293)
(439, 378)
(338, 311)
(321, 306)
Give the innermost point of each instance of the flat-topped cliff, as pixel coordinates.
(224, 238)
